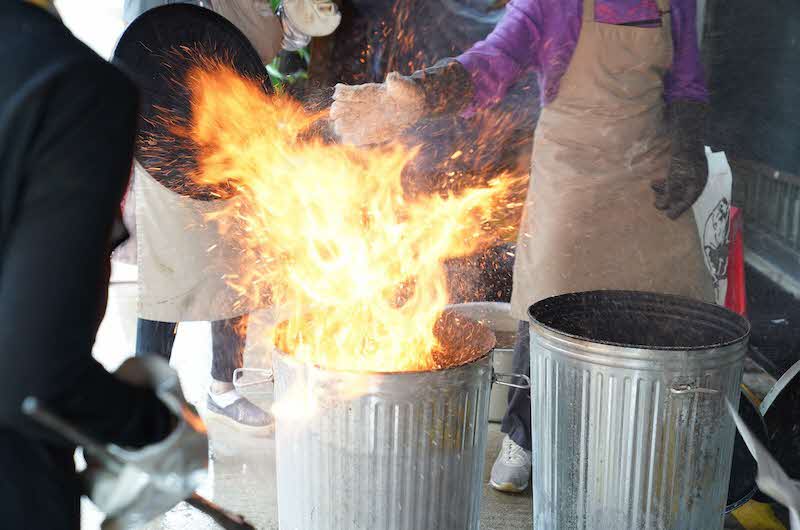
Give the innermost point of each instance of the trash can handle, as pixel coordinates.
(688, 388)
(267, 377)
(498, 378)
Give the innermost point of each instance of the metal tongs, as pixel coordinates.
(771, 478)
(33, 408)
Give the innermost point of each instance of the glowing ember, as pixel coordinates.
(328, 231)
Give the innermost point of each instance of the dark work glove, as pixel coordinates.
(688, 170)
(447, 86)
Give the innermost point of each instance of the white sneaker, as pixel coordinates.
(511, 472)
(240, 413)
(315, 18)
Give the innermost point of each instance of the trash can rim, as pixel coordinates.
(538, 311)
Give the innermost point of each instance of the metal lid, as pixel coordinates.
(495, 315)
(158, 50)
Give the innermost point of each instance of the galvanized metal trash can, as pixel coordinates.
(383, 451)
(630, 429)
(497, 317)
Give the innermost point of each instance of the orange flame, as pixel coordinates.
(328, 231)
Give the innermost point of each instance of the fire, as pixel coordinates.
(328, 230)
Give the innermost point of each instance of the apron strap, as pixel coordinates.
(588, 10)
(666, 17)
(663, 6)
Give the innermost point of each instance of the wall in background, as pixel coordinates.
(98, 23)
(753, 51)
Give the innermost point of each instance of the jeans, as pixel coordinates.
(228, 338)
(517, 421)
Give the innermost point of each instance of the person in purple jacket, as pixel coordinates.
(618, 157)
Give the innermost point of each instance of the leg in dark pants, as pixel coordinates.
(228, 338)
(153, 337)
(517, 421)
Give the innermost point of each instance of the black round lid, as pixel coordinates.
(158, 50)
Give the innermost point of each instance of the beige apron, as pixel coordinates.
(256, 20)
(589, 221)
(185, 265)
(184, 262)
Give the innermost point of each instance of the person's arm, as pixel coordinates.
(256, 20)
(686, 78)
(496, 62)
(79, 128)
(377, 112)
(687, 108)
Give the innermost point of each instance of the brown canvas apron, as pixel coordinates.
(184, 262)
(258, 22)
(589, 221)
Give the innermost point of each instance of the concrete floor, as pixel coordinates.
(242, 470)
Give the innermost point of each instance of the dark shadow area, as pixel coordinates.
(775, 317)
(752, 50)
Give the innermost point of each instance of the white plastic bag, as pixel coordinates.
(712, 212)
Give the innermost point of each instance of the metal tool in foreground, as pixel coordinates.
(33, 408)
(771, 479)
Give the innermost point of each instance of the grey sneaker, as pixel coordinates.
(242, 414)
(511, 472)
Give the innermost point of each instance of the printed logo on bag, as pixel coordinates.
(716, 240)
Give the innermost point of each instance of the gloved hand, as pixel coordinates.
(378, 112)
(157, 477)
(688, 172)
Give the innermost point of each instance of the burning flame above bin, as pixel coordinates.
(381, 397)
(329, 230)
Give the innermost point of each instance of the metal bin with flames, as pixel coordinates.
(628, 403)
(385, 451)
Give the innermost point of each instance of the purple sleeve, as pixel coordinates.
(686, 78)
(498, 61)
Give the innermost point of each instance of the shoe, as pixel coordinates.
(511, 472)
(240, 413)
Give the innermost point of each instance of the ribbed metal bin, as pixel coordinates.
(630, 428)
(497, 317)
(406, 454)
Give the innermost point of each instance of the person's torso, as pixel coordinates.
(610, 102)
(35, 49)
(559, 23)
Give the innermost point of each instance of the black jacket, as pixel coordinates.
(67, 121)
